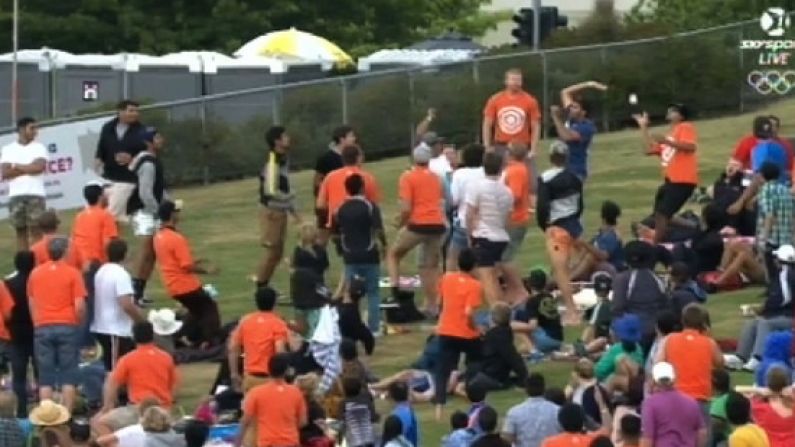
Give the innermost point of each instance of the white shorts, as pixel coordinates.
(144, 224)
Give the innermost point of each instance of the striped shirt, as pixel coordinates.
(775, 201)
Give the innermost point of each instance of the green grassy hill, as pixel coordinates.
(221, 222)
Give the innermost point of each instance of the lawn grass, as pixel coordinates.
(221, 223)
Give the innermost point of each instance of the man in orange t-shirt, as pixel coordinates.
(517, 177)
(49, 223)
(460, 296)
(571, 418)
(260, 335)
(677, 152)
(275, 410)
(179, 272)
(93, 227)
(332, 193)
(147, 372)
(6, 305)
(56, 294)
(421, 222)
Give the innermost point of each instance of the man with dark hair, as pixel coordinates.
(677, 152)
(535, 419)
(332, 193)
(146, 372)
(93, 227)
(578, 130)
(746, 432)
(629, 430)
(362, 241)
(20, 327)
(571, 418)
(114, 306)
(605, 252)
(470, 170)
(558, 212)
(273, 412)
(259, 335)
(329, 161)
(120, 140)
(489, 205)
(487, 423)
(277, 199)
(179, 270)
(399, 393)
(149, 193)
(57, 301)
(23, 164)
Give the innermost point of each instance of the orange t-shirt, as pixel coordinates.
(678, 166)
(53, 291)
(690, 353)
(513, 114)
(258, 333)
(41, 255)
(517, 178)
(457, 293)
(422, 189)
(174, 259)
(93, 228)
(276, 408)
(6, 304)
(570, 440)
(332, 193)
(147, 371)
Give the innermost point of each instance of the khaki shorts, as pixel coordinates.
(273, 228)
(430, 246)
(121, 417)
(24, 211)
(118, 196)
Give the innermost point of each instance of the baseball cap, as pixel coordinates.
(785, 253)
(663, 371)
(149, 134)
(431, 138)
(602, 282)
(558, 147)
(167, 208)
(681, 108)
(422, 154)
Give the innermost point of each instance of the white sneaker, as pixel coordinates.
(732, 362)
(751, 365)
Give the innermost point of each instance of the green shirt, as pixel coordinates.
(607, 364)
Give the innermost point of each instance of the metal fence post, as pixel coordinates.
(605, 106)
(742, 69)
(544, 93)
(344, 100)
(412, 106)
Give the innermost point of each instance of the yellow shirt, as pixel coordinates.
(748, 435)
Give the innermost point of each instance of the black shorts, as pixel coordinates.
(671, 197)
(488, 253)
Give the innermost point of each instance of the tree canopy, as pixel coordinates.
(159, 27)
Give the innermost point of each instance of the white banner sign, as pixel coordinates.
(71, 148)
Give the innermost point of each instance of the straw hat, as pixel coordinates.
(164, 321)
(49, 414)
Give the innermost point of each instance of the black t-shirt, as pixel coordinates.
(356, 222)
(329, 161)
(708, 247)
(315, 259)
(20, 325)
(544, 308)
(490, 440)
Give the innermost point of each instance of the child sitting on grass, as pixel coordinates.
(541, 319)
(358, 414)
(461, 435)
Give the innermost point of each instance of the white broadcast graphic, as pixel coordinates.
(511, 120)
(70, 151)
(774, 21)
(767, 82)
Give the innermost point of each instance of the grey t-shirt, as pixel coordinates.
(531, 422)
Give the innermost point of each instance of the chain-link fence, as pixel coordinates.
(222, 137)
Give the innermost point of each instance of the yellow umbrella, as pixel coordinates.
(293, 44)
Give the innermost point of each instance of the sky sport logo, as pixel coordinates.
(774, 52)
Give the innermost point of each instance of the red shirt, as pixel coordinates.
(745, 147)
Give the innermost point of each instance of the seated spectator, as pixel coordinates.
(11, 433)
(628, 407)
(314, 432)
(721, 386)
(555, 395)
(727, 190)
(51, 424)
(358, 414)
(476, 395)
(131, 436)
(774, 412)
(571, 418)
(158, 431)
(745, 433)
(392, 436)
(739, 265)
(460, 435)
(599, 317)
(778, 354)
(500, 366)
(629, 431)
(775, 314)
(707, 247)
(399, 393)
(196, 433)
(543, 318)
(535, 419)
(605, 251)
(582, 378)
(487, 423)
(684, 289)
(639, 290)
(625, 358)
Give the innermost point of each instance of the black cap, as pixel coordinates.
(602, 282)
(166, 209)
(681, 108)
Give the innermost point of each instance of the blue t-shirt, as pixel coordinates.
(578, 150)
(609, 242)
(408, 419)
(769, 151)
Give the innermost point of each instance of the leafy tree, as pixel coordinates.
(682, 15)
(157, 26)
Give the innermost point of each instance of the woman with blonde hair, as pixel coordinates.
(774, 412)
(156, 422)
(132, 436)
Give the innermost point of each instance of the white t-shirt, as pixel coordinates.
(25, 185)
(132, 436)
(440, 165)
(494, 202)
(110, 284)
(458, 187)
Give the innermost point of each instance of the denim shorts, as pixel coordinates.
(544, 342)
(57, 349)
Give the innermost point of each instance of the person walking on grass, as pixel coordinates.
(330, 160)
(518, 179)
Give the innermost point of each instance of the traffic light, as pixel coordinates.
(524, 26)
(549, 19)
